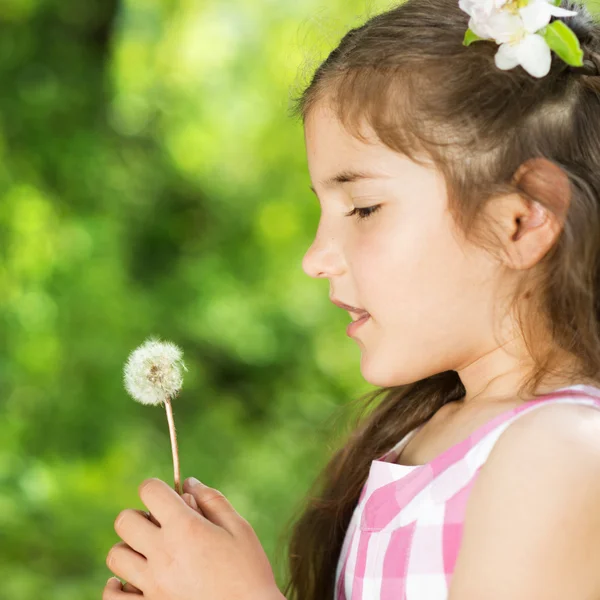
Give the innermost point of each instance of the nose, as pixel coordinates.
(322, 259)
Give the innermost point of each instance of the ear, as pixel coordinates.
(530, 228)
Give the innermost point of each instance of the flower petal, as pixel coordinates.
(506, 57)
(474, 26)
(501, 26)
(480, 9)
(557, 11)
(535, 15)
(534, 55)
(465, 6)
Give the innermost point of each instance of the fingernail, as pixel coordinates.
(193, 481)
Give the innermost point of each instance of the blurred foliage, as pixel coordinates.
(152, 183)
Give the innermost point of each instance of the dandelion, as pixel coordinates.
(153, 376)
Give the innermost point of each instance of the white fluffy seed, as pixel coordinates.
(153, 372)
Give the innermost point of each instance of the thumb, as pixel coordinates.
(213, 504)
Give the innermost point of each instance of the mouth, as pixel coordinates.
(357, 323)
(355, 313)
(357, 316)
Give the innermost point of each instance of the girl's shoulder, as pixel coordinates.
(536, 498)
(499, 447)
(552, 420)
(452, 434)
(567, 428)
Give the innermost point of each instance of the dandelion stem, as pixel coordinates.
(173, 445)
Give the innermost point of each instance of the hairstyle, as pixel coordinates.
(408, 75)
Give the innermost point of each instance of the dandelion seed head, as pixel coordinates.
(153, 372)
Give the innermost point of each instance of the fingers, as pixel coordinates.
(150, 517)
(146, 515)
(113, 590)
(215, 507)
(162, 500)
(189, 499)
(134, 528)
(131, 589)
(126, 563)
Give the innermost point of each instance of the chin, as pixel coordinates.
(377, 374)
(383, 374)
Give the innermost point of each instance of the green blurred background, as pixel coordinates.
(153, 184)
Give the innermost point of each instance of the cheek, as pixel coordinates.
(419, 273)
(426, 305)
(392, 262)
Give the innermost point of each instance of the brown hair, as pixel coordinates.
(408, 75)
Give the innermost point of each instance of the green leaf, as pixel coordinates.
(470, 37)
(556, 2)
(564, 42)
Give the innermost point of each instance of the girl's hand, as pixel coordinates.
(186, 554)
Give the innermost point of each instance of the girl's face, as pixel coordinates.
(429, 293)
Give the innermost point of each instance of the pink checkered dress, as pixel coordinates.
(403, 539)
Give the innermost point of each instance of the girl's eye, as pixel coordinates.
(364, 213)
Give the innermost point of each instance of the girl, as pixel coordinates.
(460, 221)
(460, 210)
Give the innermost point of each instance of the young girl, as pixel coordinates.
(460, 221)
(460, 216)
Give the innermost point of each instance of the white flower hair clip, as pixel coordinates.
(523, 30)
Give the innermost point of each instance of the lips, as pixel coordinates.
(358, 315)
(360, 312)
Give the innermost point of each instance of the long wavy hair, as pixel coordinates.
(408, 75)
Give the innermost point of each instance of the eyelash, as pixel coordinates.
(364, 213)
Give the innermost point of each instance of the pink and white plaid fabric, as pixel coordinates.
(403, 539)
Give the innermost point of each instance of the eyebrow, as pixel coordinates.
(347, 177)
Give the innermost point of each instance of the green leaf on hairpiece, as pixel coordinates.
(556, 2)
(564, 42)
(470, 37)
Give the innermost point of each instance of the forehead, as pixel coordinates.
(330, 149)
(324, 132)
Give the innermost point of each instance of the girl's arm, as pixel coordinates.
(532, 522)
